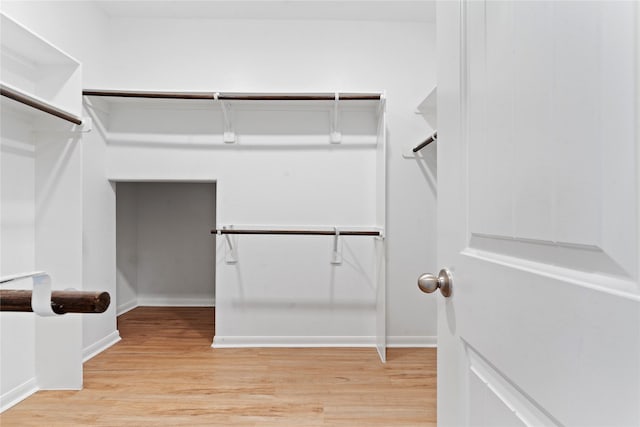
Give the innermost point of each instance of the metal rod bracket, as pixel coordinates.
(231, 253)
(229, 135)
(336, 135)
(336, 254)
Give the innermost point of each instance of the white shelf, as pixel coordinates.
(252, 119)
(429, 108)
(33, 66)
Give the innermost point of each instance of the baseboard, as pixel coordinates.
(100, 346)
(126, 306)
(420, 341)
(293, 341)
(174, 301)
(18, 394)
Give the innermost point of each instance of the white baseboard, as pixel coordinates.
(418, 341)
(126, 306)
(292, 341)
(18, 394)
(174, 301)
(100, 346)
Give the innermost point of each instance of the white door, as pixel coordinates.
(538, 213)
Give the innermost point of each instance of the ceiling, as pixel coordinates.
(344, 10)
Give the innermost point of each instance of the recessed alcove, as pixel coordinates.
(165, 255)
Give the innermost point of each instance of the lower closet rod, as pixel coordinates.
(297, 232)
(62, 302)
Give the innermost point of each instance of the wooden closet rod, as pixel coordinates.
(157, 95)
(298, 232)
(426, 142)
(230, 96)
(38, 105)
(62, 302)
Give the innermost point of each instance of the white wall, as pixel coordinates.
(282, 172)
(314, 56)
(126, 295)
(80, 29)
(42, 215)
(41, 226)
(17, 252)
(166, 255)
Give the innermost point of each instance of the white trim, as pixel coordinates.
(293, 341)
(591, 281)
(18, 394)
(100, 346)
(522, 407)
(175, 301)
(417, 341)
(126, 306)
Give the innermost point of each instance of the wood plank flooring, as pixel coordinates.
(164, 372)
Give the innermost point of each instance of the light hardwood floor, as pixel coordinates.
(164, 372)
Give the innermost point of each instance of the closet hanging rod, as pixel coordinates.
(38, 105)
(426, 142)
(299, 232)
(62, 302)
(157, 95)
(232, 96)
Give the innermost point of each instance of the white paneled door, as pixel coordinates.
(538, 213)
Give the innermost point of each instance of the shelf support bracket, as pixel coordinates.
(336, 135)
(336, 254)
(228, 136)
(231, 253)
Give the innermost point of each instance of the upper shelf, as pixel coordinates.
(278, 101)
(238, 96)
(32, 66)
(249, 118)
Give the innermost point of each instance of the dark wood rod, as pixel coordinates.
(230, 96)
(426, 142)
(298, 232)
(62, 302)
(38, 105)
(148, 94)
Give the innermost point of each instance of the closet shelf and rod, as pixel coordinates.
(432, 138)
(233, 96)
(298, 232)
(38, 104)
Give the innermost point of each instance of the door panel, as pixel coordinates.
(538, 213)
(540, 159)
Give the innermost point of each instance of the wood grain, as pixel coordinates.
(62, 302)
(164, 372)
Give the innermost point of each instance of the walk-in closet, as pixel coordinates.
(319, 213)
